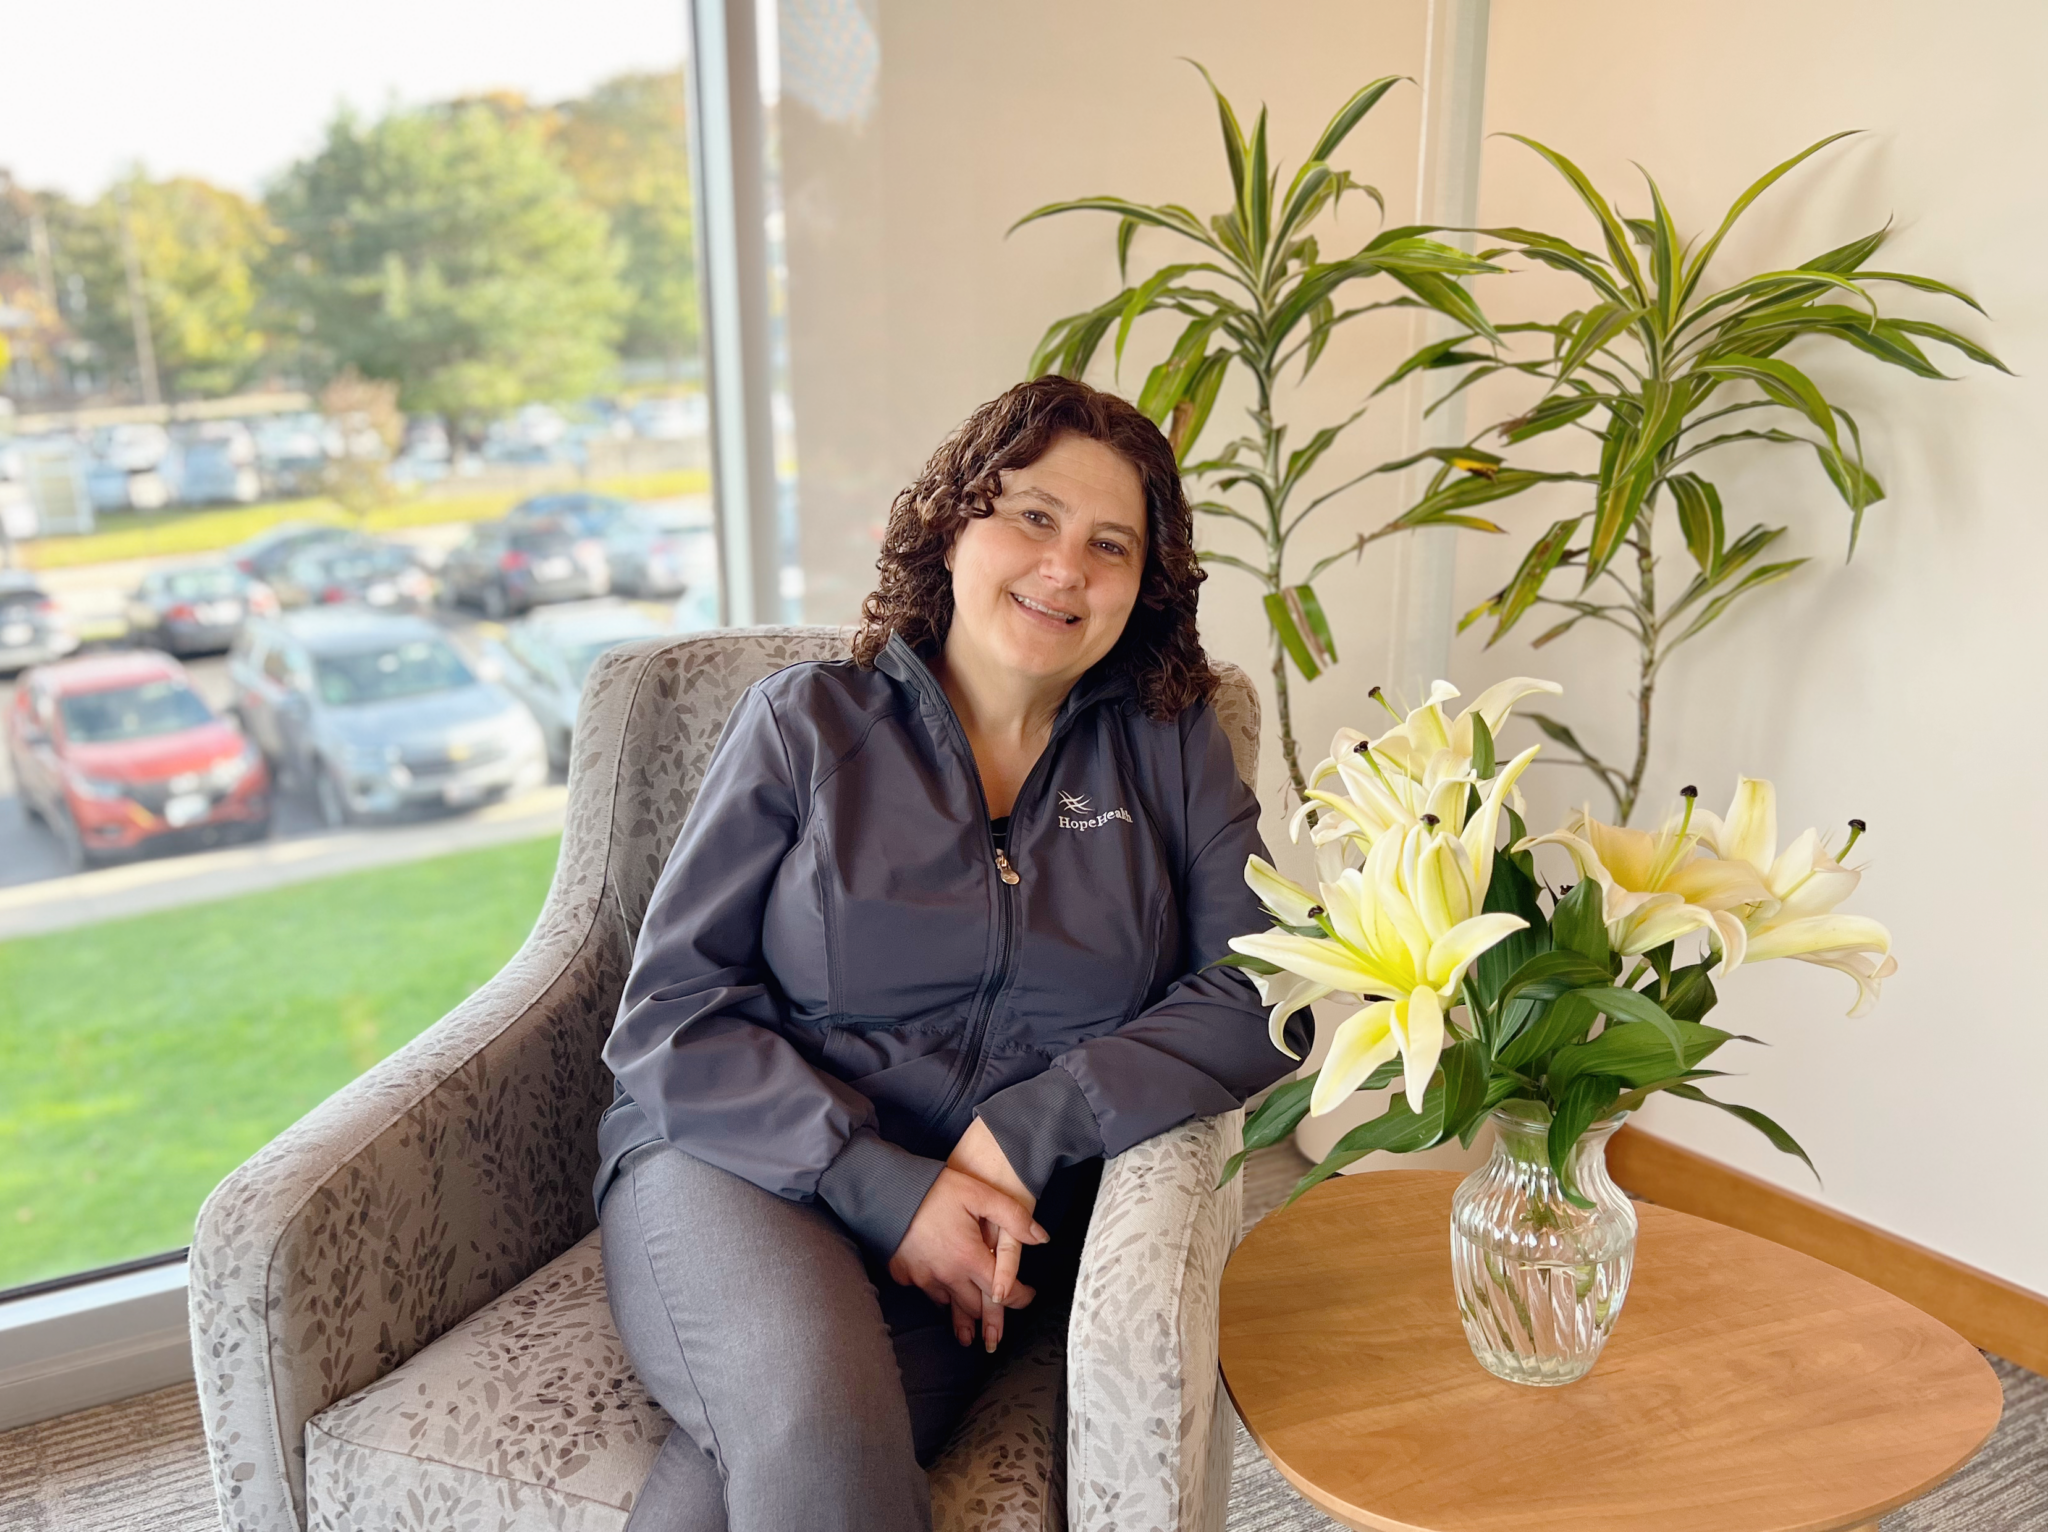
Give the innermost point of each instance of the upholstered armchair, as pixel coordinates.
(398, 1306)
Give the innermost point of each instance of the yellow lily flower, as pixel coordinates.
(1423, 765)
(1292, 905)
(1394, 938)
(1802, 884)
(1655, 888)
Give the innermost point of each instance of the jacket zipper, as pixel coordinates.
(974, 1055)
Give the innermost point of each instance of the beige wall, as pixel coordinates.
(1892, 689)
(1899, 688)
(908, 306)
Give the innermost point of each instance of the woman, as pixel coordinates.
(931, 944)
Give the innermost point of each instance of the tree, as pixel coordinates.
(446, 250)
(198, 252)
(627, 145)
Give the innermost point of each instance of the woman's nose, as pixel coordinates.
(1062, 562)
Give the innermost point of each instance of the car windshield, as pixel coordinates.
(542, 540)
(132, 712)
(381, 675)
(202, 584)
(358, 564)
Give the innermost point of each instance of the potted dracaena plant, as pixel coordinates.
(1660, 374)
(1554, 1010)
(1259, 297)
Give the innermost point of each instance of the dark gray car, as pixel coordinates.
(509, 567)
(197, 609)
(377, 714)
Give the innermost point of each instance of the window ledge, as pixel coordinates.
(93, 1342)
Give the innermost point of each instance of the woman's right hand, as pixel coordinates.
(945, 1256)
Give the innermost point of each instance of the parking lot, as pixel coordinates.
(92, 597)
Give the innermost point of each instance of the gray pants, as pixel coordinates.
(806, 1386)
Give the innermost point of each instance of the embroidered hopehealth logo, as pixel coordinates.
(1077, 806)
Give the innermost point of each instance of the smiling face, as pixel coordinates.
(1043, 587)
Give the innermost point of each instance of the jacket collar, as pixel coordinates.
(1105, 682)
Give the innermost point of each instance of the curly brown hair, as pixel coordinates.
(1158, 647)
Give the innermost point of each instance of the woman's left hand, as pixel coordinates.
(980, 1156)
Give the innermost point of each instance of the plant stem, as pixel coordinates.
(1646, 682)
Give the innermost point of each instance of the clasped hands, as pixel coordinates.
(962, 1247)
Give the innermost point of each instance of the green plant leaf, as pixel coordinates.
(1281, 615)
(1616, 236)
(1634, 1052)
(1465, 1075)
(1628, 1005)
(1578, 925)
(1537, 566)
(1691, 995)
(1318, 624)
(1397, 1129)
(1482, 749)
(1782, 1141)
(1192, 412)
(1561, 1023)
(1584, 1102)
(1699, 517)
(1351, 113)
(1697, 266)
(1548, 975)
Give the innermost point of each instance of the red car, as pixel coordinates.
(117, 752)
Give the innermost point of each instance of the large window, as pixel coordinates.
(296, 306)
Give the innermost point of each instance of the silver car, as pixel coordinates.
(546, 657)
(32, 628)
(379, 714)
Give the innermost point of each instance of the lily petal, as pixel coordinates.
(1421, 1033)
(1283, 896)
(1364, 1041)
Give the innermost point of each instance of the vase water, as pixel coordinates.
(1540, 1280)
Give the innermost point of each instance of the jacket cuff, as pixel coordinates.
(1041, 1124)
(876, 1189)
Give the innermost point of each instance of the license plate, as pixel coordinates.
(218, 614)
(185, 809)
(16, 633)
(462, 794)
(554, 569)
(382, 593)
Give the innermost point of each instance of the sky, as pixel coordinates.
(234, 90)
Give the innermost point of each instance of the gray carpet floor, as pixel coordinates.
(140, 1465)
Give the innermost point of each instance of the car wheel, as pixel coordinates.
(496, 607)
(76, 857)
(334, 810)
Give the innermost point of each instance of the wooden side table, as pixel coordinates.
(1747, 1387)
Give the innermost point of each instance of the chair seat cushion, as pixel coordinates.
(528, 1415)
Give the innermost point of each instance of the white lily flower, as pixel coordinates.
(1802, 884)
(1655, 888)
(1395, 939)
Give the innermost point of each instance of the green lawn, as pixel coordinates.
(143, 1059)
(158, 534)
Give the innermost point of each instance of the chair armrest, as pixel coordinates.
(1148, 1439)
(423, 1190)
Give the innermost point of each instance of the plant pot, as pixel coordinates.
(1540, 1281)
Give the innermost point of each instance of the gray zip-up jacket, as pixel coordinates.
(838, 970)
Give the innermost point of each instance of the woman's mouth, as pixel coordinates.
(1052, 617)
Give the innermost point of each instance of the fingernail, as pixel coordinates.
(991, 1343)
(1039, 1234)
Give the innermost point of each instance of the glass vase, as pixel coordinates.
(1540, 1281)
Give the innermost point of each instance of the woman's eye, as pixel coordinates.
(1115, 548)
